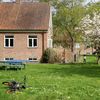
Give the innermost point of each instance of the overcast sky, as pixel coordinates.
(87, 1)
(92, 0)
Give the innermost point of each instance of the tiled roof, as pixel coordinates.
(24, 16)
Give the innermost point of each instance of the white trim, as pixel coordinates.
(8, 58)
(32, 42)
(50, 31)
(9, 42)
(27, 41)
(32, 58)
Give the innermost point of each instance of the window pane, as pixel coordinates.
(11, 58)
(35, 42)
(11, 42)
(30, 58)
(6, 42)
(30, 42)
(50, 43)
(34, 58)
(6, 58)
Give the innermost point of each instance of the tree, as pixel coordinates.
(91, 25)
(67, 21)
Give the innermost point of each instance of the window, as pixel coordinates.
(32, 41)
(9, 41)
(9, 58)
(32, 59)
(77, 45)
(49, 43)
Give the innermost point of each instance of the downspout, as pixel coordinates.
(42, 43)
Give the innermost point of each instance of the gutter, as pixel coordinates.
(21, 31)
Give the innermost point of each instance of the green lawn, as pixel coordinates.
(55, 82)
(89, 59)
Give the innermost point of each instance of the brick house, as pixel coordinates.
(25, 30)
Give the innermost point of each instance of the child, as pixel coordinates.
(84, 59)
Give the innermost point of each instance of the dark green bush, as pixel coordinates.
(45, 56)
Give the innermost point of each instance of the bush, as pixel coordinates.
(50, 56)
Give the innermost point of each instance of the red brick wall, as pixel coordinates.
(20, 50)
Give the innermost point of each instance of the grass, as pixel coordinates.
(89, 59)
(55, 82)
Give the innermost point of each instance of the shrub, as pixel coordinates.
(45, 56)
(50, 56)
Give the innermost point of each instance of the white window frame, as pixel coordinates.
(8, 58)
(32, 41)
(32, 58)
(8, 40)
(49, 43)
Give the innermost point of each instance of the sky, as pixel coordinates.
(92, 0)
(87, 1)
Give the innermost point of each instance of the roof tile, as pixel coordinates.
(30, 16)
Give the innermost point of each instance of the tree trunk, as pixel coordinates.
(72, 50)
(72, 46)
